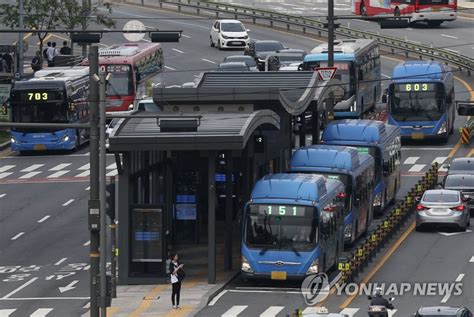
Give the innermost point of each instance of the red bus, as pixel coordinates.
(434, 12)
(135, 69)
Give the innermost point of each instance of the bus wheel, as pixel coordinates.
(451, 131)
(434, 23)
(363, 10)
(396, 12)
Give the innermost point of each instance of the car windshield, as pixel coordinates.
(281, 227)
(268, 46)
(457, 181)
(440, 198)
(250, 62)
(416, 101)
(461, 166)
(232, 27)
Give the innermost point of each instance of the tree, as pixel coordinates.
(52, 14)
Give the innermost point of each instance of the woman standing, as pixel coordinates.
(176, 270)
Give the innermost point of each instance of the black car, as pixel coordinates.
(259, 50)
(463, 183)
(445, 311)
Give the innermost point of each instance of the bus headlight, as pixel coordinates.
(442, 129)
(348, 231)
(377, 200)
(65, 138)
(246, 265)
(314, 267)
(12, 140)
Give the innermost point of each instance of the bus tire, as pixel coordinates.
(396, 12)
(451, 131)
(363, 10)
(77, 144)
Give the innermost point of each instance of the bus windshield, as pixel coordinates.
(416, 101)
(121, 83)
(48, 112)
(281, 227)
(345, 73)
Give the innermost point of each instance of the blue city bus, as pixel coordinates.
(358, 70)
(54, 95)
(293, 226)
(355, 170)
(421, 100)
(378, 139)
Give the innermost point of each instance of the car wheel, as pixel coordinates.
(212, 43)
(468, 221)
(418, 228)
(219, 46)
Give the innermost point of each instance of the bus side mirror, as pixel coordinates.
(361, 75)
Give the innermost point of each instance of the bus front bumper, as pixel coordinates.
(268, 276)
(18, 144)
(441, 15)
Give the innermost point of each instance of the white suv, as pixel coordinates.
(229, 34)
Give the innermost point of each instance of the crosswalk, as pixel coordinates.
(13, 312)
(273, 311)
(413, 165)
(50, 171)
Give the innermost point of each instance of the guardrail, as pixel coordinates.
(354, 264)
(307, 25)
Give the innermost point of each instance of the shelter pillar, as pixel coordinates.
(211, 171)
(228, 211)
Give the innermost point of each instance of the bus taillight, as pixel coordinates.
(417, 6)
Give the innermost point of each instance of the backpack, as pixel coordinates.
(181, 275)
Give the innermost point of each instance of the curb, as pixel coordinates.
(4, 145)
(209, 296)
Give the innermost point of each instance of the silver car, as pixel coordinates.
(442, 207)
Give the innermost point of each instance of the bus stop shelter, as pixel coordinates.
(174, 165)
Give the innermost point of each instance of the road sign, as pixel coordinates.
(326, 73)
(134, 25)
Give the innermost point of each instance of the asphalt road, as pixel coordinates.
(43, 198)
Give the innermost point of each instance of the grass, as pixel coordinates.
(4, 137)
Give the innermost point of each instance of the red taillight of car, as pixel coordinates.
(458, 208)
(341, 195)
(420, 207)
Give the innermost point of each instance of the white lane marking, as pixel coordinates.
(442, 169)
(411, 160)
(215, 299)
(88, 188)
(20, 288)
(417, 168)
(391, 312)
(44, 219)
(6, 312)
(234, 310)
(146, 40)
(83, 174)
(186, 36)
(87, 306)
(85, 244)
(179, 51)
(60, 261)
(68, 202)
(409, 29)
(58, 174)
(450, 36)
(29, 175)
(471, 260)
(41, 312)
(3, 175)
(454, 51)
(17, 236)
(358, 20)
(440, 159)
(427, 149)
(386, 76)
(2, 195)
(262, 291)
(32, 167)
(85, 167)
(111, 166)
(272, 311)
(206, 60)
(6, 168)
(459, 278)
(60, 167)
(112, 173)
(43, 298)
(87, 267)
(349, 311)
(170, 68)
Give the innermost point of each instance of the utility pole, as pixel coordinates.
(102, 197)
(86, 5)
(331, 27)
(20, 37)
(94, 173)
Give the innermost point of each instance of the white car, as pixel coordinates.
(229, 34)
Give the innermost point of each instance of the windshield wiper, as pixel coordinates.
(264, 250)
(294, 249)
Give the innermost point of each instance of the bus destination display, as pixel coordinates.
(407, 87)
(37, 95)
(283, 210)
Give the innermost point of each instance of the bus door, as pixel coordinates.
(362, 203)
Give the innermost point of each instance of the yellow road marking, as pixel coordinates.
(110, 310)
(45, 39)
(471, 154)
(380, 263)
(455, 149)
(145, 304)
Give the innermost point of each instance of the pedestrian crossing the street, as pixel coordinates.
(51, 171)
(13, 312)
(273, 311)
